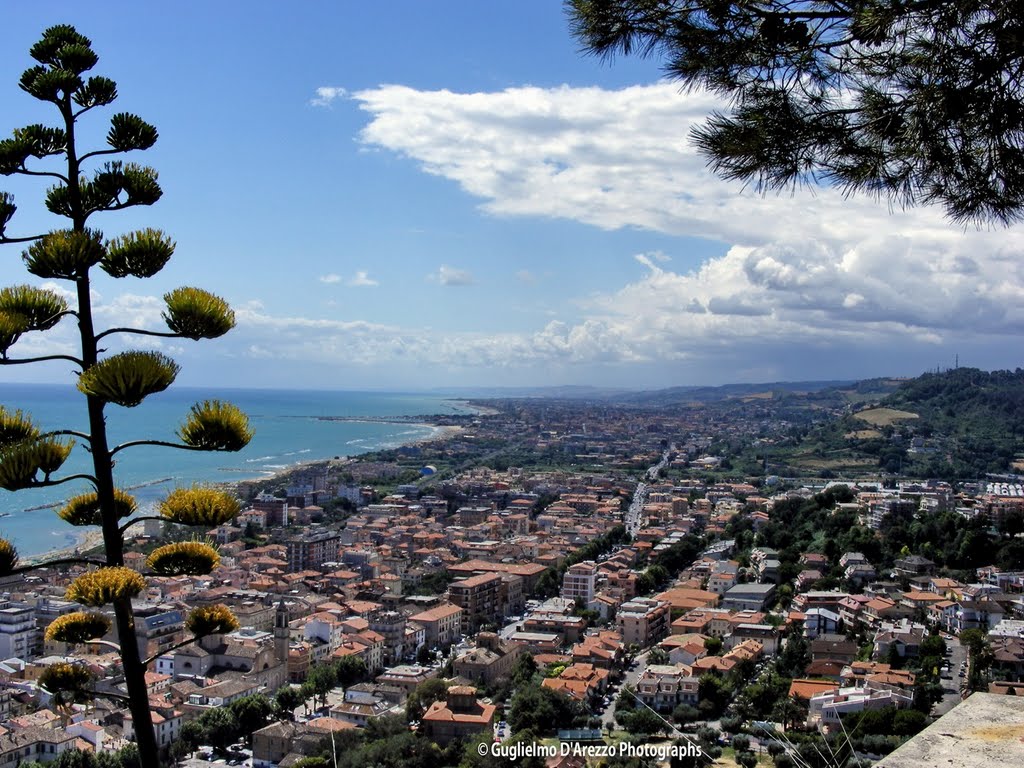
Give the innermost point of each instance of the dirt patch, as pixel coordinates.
(863, 434)
(883, 417)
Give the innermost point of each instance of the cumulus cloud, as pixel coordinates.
(804, 274)
(327, 95)
(610, 159)
(362, 279)
(450, 276)
(811, 265)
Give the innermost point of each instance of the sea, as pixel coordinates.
(291, 427)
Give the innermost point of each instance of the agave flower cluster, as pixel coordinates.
(80, 253)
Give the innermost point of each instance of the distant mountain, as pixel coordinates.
(682, 395)
(564, 392)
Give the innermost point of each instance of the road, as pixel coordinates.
(634, 515)
(952, 686)
(630, 678)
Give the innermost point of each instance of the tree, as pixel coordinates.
(740, 743)
(542, 710)
(642, 721)
(350, 670)
(917, 102)
(425, 694)
(252, 713)
(30, 458)
(657, 655)
(523, 670)
(322, 679)
(221, 727)
(287, 700)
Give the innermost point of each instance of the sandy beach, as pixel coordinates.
(87, 540)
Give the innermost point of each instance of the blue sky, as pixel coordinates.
(433, 194)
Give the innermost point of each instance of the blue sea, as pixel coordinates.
(291, 427)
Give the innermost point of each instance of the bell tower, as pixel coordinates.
(281, 634)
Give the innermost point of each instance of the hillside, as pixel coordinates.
(956, 425)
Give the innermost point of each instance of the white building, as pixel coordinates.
(17, 631)
(580, 582)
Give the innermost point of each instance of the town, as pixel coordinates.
(621, 584)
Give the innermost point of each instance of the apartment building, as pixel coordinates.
(311, 550)
(477, 596)
(580, 582)
(442, 625)
(643, 621)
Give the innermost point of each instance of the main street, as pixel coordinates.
(634, 515)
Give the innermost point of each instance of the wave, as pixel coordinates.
(260, 458)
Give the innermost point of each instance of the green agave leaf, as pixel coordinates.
(129, 377)
(137, 254)
(11, 327)
(55, 38)
(15, 427)
(97, 92)
(199, 506)
(197, 314)
(183, 558)
(211, 620)
(7, 209)
(39, 307)
(105, 585)
(84, 509)
(128, 132)
(64, 254)
(216, 426)
(8, 557)
(78, 627)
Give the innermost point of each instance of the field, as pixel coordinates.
(863, 434)
(884, 417)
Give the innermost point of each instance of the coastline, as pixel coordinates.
(92, 539)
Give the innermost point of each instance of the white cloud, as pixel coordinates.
(326, 95)
(812, 265)
(330, 279)
(450, 276)
(611, 159)
(362, 279)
